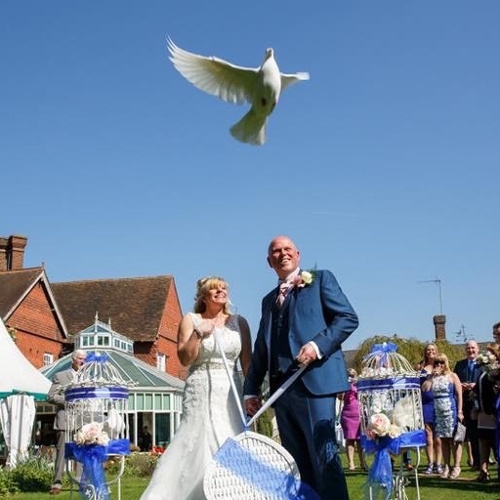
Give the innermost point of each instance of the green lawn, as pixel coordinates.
(464, 488)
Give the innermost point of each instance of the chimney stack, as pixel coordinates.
(3, 253)
(439, 329)
(15, 252)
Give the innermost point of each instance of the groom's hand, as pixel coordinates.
(307, 355)
(252, 405)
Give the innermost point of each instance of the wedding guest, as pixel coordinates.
(447, 392)
(56, 397)
(350, 420)
(468, 373)
(432, 443)
(146, 440)
(305, 319)
(427, 363)
(210, 411)
(486, 411)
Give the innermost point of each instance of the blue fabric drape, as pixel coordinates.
(380, 473)
(92, 457)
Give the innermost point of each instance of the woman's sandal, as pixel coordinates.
(483, 477)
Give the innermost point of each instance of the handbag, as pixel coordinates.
(459, 436)
(339, 435)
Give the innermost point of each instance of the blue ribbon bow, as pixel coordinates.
(380, 474)
(92, 457)
(96, 357)
(382, 351)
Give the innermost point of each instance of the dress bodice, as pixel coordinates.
(442, 387)
(229, 339)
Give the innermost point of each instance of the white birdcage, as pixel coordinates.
(96, 424)
(391, 413)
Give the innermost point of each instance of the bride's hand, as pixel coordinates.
(206, 327)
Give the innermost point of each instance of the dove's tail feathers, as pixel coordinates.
(250, 129)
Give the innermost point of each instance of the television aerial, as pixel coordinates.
(437, 281)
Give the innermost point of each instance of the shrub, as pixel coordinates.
(34, 474)
(7, 484)
(136, 465)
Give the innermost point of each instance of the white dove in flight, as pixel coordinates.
(261, 87)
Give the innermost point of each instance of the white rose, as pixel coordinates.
(307, 277)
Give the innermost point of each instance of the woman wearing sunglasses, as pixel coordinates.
(447, 392)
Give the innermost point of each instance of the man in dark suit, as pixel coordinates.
(304, 321)
(468, 372)
(56, 397)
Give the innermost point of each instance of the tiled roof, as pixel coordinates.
(13, 285)
(144, 376)
(133, 305)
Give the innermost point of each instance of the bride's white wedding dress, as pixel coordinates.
(209, 416)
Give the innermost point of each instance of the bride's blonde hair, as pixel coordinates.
(203, 286)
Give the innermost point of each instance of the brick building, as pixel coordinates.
(28, 306)
(44, 316)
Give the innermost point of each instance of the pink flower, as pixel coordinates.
(303, 279)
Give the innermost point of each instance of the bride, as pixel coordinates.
(209, 411)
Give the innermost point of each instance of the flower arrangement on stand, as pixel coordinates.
(380, 426)
(89, 447)
(391, 420)
(92, 433)
(96, 425)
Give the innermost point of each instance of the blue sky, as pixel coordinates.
(384, 167)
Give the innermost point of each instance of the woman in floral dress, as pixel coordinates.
(447, 392)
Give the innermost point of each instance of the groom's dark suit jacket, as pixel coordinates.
(318, 312)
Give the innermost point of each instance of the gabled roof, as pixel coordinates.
(134, 306)
(16, 284)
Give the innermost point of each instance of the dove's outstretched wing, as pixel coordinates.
(289, 79)
(235, 84)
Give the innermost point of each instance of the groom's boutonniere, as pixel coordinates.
(305, 278)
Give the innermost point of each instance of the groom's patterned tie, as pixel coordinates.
(284, 289)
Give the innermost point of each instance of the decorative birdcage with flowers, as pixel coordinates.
(96, 424)
(391, 415)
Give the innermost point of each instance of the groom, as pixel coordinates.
(304, 320)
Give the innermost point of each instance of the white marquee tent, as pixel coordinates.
(20, 384)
